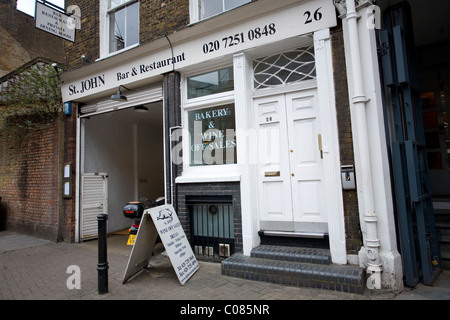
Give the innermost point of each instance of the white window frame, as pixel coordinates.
(104, 30)
(205, 173)
(194, 11)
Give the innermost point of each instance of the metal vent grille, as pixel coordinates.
(212, 225)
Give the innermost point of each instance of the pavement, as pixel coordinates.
(36, 269)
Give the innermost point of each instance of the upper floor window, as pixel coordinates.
(123, 24)
(203, 9)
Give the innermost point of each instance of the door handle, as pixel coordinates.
(319, 138)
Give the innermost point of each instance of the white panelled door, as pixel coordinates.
(290, 167)
(94, 201)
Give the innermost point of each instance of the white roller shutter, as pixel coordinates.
(134, 98)
(94, 201)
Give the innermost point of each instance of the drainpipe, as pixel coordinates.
(359, 101)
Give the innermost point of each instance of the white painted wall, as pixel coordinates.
(128, 146)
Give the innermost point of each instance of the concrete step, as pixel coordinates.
(287, 266)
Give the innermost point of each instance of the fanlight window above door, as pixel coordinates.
(283, 68)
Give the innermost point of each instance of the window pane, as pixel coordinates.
(210, 83)
(283, 68)
(132, 14)
(209, 8)
(124, 24)
(212, 136)
(117, 35)
(230, 4)
(115, 3)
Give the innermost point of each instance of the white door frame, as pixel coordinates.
(244, 119)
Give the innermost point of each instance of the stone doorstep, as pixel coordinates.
(272, 269)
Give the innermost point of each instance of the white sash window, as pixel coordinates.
(204, 9)
(119, 26)
(123, 24)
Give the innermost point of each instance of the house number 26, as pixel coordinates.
(310, 17)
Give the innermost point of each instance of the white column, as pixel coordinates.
(334, 206)
(245, 158)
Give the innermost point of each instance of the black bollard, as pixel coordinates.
(102, 266)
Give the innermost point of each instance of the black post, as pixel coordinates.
(102, 265)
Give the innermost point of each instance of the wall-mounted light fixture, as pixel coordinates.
(56, 67)
(118, 96)
(141, 109)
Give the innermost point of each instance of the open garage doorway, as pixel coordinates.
(124, 149)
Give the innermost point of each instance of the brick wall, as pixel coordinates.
(29, 184)
(87, 38)
(162, 17)
(70, 142)
(157, 18)
(351, 212)
(21, 42)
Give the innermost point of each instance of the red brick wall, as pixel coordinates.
(29, 178)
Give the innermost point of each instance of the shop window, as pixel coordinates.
(435, 123)
(284, 68)
(123, 24)
(211, 82)
(212, 135)
(203, 9)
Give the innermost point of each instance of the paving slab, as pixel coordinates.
(36, 269)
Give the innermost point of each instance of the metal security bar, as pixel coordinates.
(212, 227)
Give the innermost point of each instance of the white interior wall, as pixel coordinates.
(128, 146)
